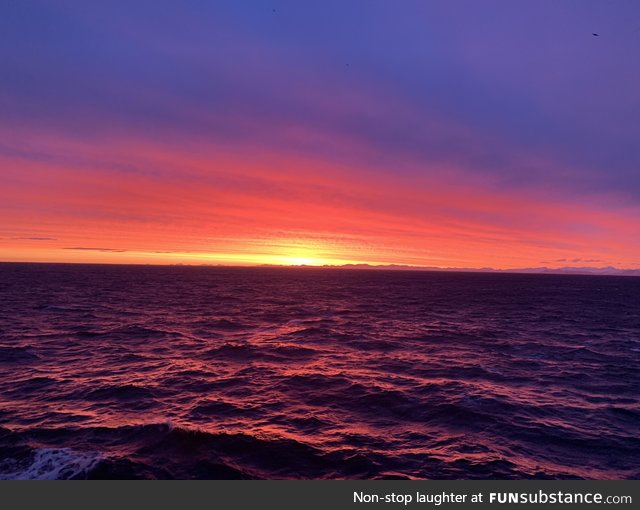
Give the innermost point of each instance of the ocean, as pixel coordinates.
(223, 373)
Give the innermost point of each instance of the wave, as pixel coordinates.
(236, 352)
(129, 332)
(161, 451)
(248, 352)
(125, 392)
(222, 325)
(50, 464)
(22, 354)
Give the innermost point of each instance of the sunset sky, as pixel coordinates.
(432, 133)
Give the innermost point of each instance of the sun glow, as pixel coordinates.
(301, 261)
(277, 251)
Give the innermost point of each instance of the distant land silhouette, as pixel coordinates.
(608, 270)
(605, 271)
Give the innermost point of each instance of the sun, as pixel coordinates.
(300, 252)
(301, 261)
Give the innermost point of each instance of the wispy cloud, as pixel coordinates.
(84, 248)
(35, 238)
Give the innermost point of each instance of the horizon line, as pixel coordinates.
(565, 270)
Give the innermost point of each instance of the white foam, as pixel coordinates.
(54, 464)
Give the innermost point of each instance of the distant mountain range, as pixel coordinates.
(609, 270)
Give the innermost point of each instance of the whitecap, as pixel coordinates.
(51, 464)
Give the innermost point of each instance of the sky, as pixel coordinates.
(440, 133)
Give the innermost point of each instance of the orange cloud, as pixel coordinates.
(126, 202)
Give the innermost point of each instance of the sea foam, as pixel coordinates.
(52, 464)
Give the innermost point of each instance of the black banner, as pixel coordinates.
(331, 495)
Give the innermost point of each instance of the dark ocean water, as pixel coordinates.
(202, 372)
